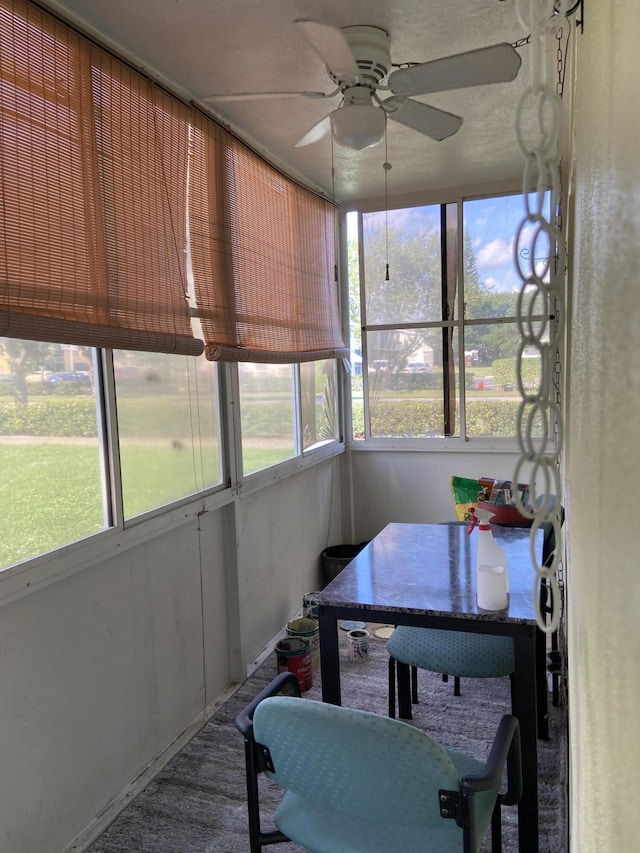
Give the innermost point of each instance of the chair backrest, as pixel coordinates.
(355, 762)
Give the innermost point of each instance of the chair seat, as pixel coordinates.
(321, 830)
(458, 653)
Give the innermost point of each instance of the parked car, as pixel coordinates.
(71, 376)
(417, 367)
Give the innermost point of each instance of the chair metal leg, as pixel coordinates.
(392, 687)
(257, 838)
(456, 683)
(496, 829)
(404, 691)
(252, 797)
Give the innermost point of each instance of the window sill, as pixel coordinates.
(437, 445)
(38, 572)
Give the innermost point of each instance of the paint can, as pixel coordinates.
(310, 630)
(293, 654)
(310, 605)
(358, 645)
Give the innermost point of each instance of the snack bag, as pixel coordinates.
(496, 496)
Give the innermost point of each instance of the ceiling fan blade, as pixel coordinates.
(499, 63)
(331, 46)
(317, 132)
(434, 123)
(260, 96)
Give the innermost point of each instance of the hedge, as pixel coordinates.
(423, 418)
(75, 416)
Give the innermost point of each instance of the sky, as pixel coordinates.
(492, 224)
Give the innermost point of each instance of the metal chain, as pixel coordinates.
(540, 264)
(522, 41)
(557, 371)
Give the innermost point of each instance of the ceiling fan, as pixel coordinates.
(358, 62)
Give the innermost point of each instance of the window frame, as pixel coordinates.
(256, 480)
(120, 532)
(459, 443)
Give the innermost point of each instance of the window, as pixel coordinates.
(54, 449)
(318, 402)
(50, 455)
(267, 412)
(168, 426)
(437, 339)
(286, 410)
(54, 452)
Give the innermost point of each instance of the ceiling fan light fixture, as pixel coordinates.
(358, 126)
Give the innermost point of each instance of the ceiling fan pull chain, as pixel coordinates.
(387, 168)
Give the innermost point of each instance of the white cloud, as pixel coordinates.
(511, 280)
(497, 253)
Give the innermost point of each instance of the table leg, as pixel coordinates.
(525, 709)
(329, 657)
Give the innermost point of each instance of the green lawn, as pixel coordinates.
(53, 494)
(51, 497)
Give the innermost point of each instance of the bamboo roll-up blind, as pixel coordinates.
(109, 184)
(264, 257)
(93, 162)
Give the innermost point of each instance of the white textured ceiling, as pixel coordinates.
(221, 46)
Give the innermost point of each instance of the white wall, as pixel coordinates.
(110, 668)
(280, 536)
(603, 456)
(414, 486)
(100, 672)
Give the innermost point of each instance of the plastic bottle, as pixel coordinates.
(492, 580)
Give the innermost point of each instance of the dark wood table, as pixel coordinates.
(424, 574)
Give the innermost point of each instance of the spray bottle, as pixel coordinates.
(492, 580)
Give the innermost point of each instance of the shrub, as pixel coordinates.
(424, 418)
(504, 372)
(75, 416)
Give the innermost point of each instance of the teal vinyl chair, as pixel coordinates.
(459, 653)
(357, 782)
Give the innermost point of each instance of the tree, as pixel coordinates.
(23, 357)
(411, 293)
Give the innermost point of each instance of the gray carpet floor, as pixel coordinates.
(197, 803)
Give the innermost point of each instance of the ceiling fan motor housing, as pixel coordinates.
(370, 48)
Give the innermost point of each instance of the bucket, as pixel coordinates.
(336, 557)
(310, 630)
(358, 644)
(293, 655)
